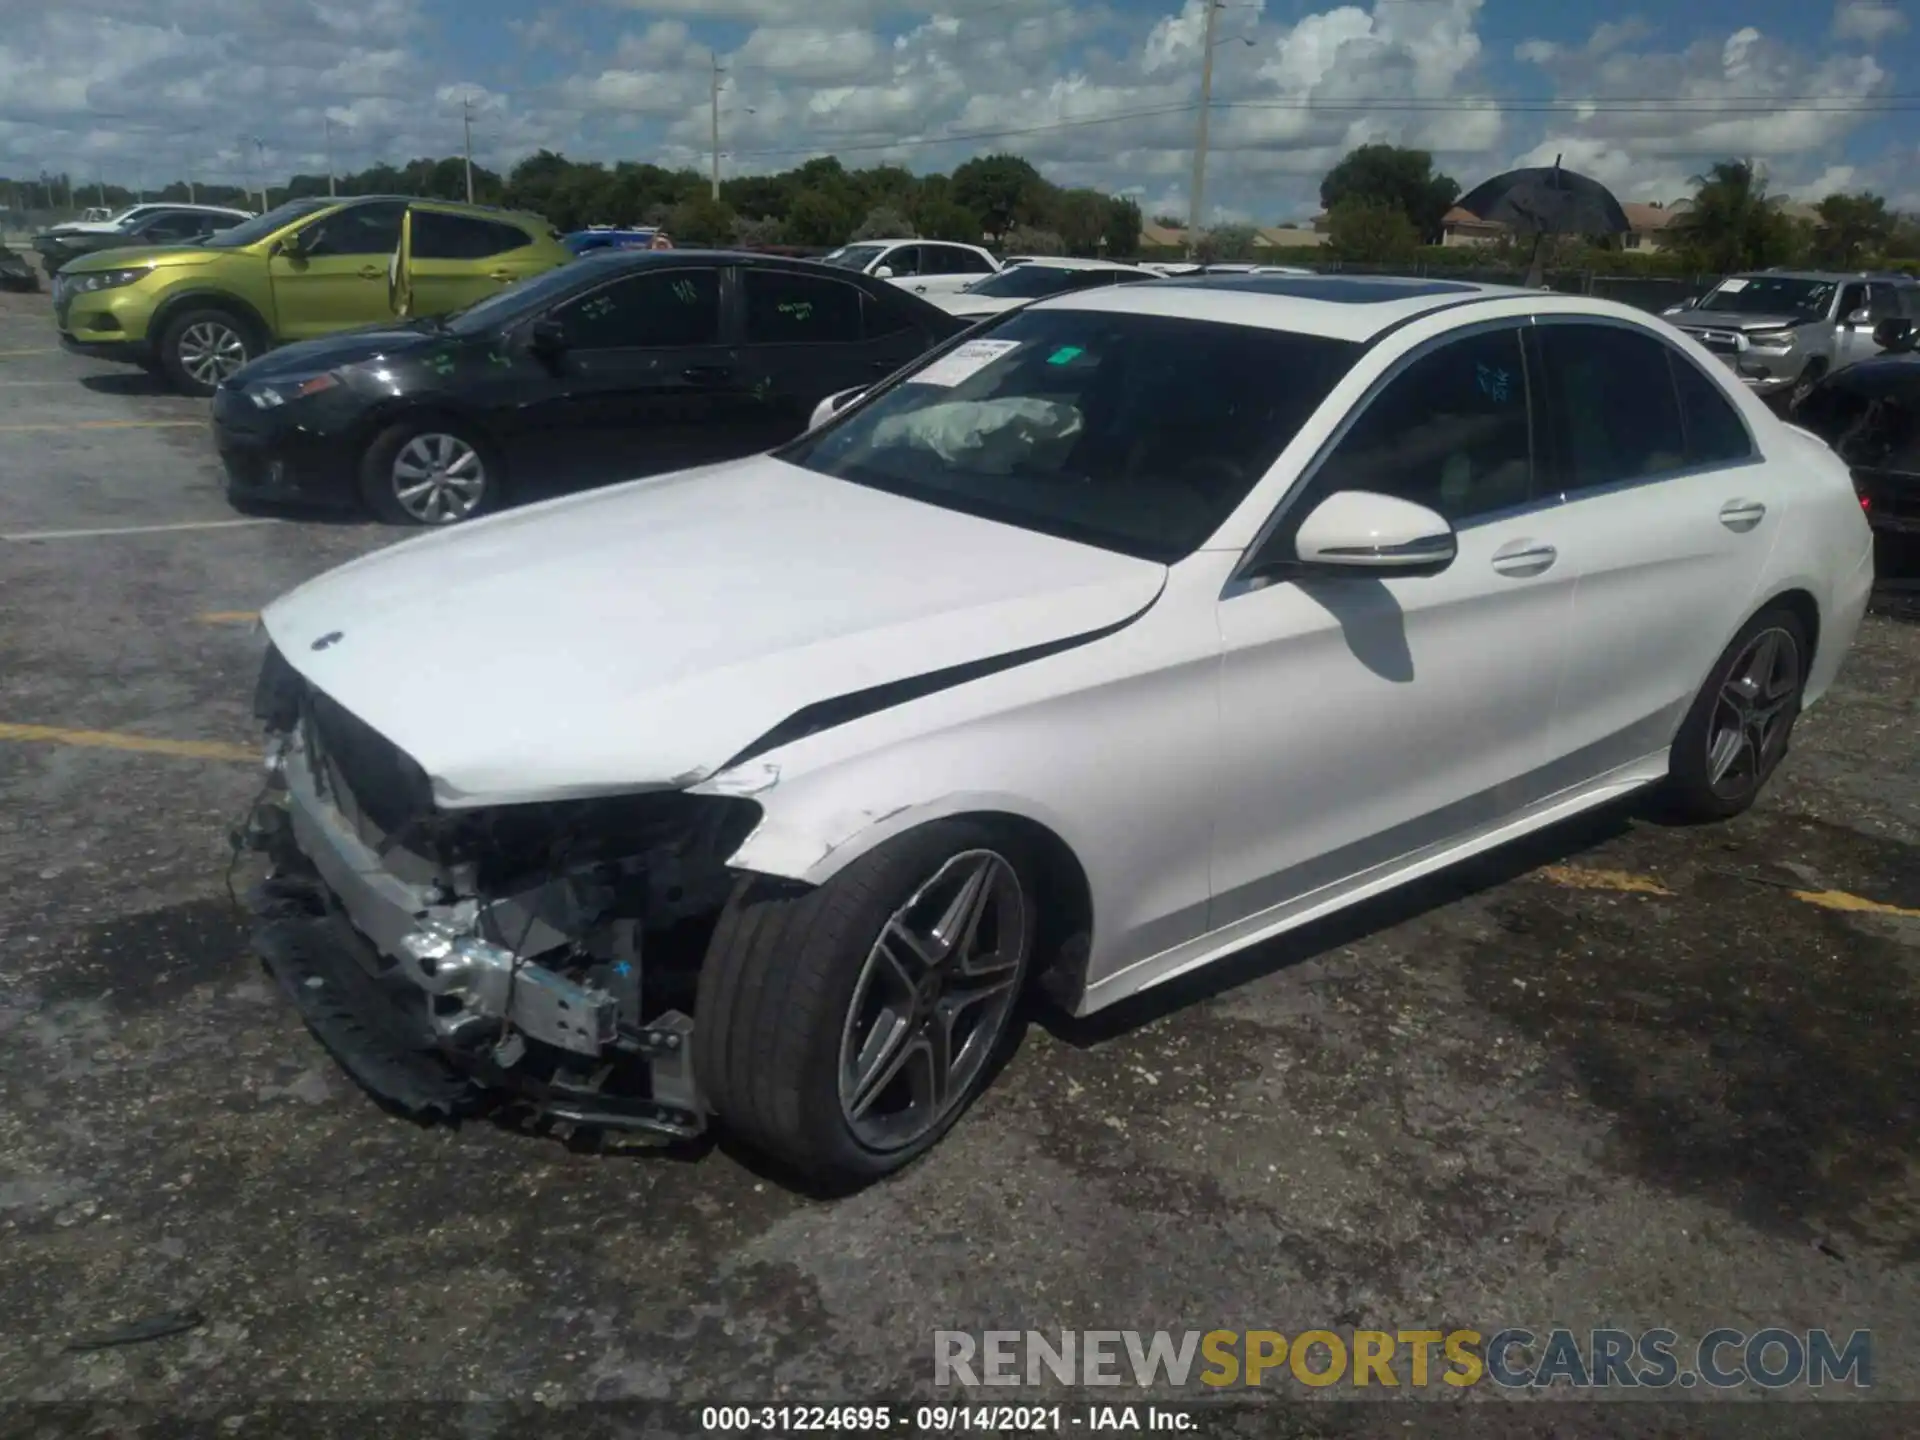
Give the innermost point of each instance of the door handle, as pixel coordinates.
(371, 272)
(706, 374)
(1522, 558)
(1741, 516)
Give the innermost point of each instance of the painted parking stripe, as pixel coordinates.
(23, 536)
(228, 617)
(40, 427)
(1578, 877)
(49, 350)
(139, 744)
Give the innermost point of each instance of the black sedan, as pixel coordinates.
(1869, 412)
(620, 365)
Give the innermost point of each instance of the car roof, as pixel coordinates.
(1339, 307)
(1074, 262)
(1825, 275)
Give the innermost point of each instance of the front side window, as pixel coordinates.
(1029, 282)
(1882, 303)
(1611, 404)
(248, 232)
(657, 308)
(357, 230)
(1450, 432)
(1136, 433)
(854, 257)
(174, 225)
(788, 309)
(1853, 298)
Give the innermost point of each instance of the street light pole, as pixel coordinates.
(1200, 138)
(327, 120)
(466, 116)
(717, 73)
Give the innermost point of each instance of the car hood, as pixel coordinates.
(345, 347)
(1735, 320)
(133, 255)
(641, 637)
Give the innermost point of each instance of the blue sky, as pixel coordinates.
(1097, 92)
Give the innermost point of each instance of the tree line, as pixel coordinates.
(1381, 204)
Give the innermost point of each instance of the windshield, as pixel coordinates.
(504, 306)
(1136, 433)
(1031, 282)
(1772, 295)
(247, 232)
(855, 257)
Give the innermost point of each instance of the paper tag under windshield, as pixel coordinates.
(963, 363)
(1732, 287)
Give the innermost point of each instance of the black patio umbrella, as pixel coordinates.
(1546, 200)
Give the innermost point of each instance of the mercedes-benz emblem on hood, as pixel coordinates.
(329, 640)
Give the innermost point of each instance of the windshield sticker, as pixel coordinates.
(1066, 355)
(1732, 287)
(963, 363)
(1495, 382)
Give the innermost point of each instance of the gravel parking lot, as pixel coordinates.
(1632, 1076)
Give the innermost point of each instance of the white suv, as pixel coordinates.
(926, 267)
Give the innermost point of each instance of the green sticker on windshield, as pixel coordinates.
(1066, 354)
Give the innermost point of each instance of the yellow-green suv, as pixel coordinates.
(197, 313)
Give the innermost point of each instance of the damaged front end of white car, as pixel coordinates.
(543, 953)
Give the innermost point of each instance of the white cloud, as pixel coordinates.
(1868, 21)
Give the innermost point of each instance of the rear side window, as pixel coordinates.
(656, 308)
(788, 309)
(1450, 432)
(1610, 405)
(439, 236)
(1715, 433)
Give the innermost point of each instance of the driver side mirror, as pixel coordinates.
(833, 405)
(883, 272)
(547, 338)
(1858, 317)
(291, 247)
(1894, 334)
(1358, 532)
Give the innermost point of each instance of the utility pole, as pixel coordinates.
(717, 73)
(466, 117)
(1200, 139)
(260, 149)
(327, 120)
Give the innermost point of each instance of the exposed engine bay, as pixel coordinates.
(548, 951)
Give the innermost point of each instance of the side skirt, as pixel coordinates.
(1325, 900)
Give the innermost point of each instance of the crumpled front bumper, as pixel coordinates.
(421, 1011)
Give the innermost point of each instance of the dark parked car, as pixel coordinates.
(157, 224)
(1869, 412)
(622, 364)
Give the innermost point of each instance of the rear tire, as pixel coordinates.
(431, 470)
(200, 348)
(833, 1034)
(1741, 722)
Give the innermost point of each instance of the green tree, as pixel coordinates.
(883, 222)
(1032, 240)
(1224, 243)
(1852, 229)
(1733, 223)
(818, 218)
(701, 220)
(1002, 190)
(941, 218)
(1396, 176)
(1371, 231)
(1121, 233)
(1080, 217)
(751, 234)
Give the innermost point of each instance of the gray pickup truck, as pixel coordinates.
(1781, 330)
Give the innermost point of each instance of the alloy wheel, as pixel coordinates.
(1753, 713)
(932, 1000)
(439, 479)
(210, 351)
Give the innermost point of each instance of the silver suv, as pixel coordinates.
(1782, 330)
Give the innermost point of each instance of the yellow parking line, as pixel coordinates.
(228, 617)
(1575, 877)
(141, 744)
(107, 424)
(1855, 904)
(45, 351)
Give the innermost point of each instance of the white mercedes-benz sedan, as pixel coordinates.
(1128, 630)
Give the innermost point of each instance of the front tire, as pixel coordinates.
(1738, 730)
(1803, 387)
(200, 348)
(430, 471)
(841, 1031)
